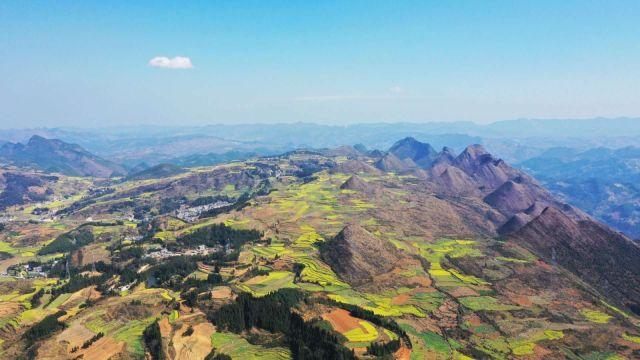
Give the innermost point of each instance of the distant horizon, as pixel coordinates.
(302, 122)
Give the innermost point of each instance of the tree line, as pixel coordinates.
(274, 313)
(219, 234)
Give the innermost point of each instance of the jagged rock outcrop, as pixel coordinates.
(357, 256)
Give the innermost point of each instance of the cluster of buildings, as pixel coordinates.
(25, 271)
(163, 253)
(191, 214)
(5, 218)
(133, 238)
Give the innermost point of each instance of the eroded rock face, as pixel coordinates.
(357, 256)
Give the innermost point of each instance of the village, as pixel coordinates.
(191, 214)
(202, 250)
(25, 271)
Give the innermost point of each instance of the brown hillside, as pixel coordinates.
(357, 256)
(511, 198)
(390, 163)
(357, 184)
(601, 257)
(355, 167)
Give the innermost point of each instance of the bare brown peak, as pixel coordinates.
(344, 150)
(552, 214)
(454, 180)
(419, 153)
(354, 230)
(536, 209)
(443, 160)
(390, 162)
(545, 200)
(354, 182)
(473, 152)
(376, 154)
(367, 244)
(357, 256)
(511, 198)
(355, 167)
(412, 148)
(514, 224)
(475, 157)
(576, 213)
(454, 172)
(448, 150)
(445, 156)
(554, 218)
(489, 172)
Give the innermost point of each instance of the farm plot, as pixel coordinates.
(264, 284)
(354, 329)
(596, 316)
(239, 348)
(195, 346)
(379, 304)
(275, 249)
(318, 272)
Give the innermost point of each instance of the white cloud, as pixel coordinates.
(178, 62)
(396, 89)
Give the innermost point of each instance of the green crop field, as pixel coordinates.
(366, 332)
(317, 272)
(262, 285)
(596, 316)
(487, 303)
(131, 334)
(239, 348)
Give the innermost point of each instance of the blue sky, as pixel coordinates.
(87, 63)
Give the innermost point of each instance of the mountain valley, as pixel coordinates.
(410, 253)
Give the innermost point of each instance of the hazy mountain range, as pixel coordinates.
(513, 140)
(591, 163)
(53, 155)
